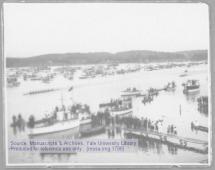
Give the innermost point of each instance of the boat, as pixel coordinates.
(196, 126)
(183, 75)
(40, 91)
(12, 82)
(71, 88)
(191, 86)
(85, 118)
(55, 127)
(35, 78)
(60, 120)
(83, 77)
(121, 112)
(46, 80)
(170, 86)
(131, 92)
(120, 107)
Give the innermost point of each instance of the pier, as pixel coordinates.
(195, 145)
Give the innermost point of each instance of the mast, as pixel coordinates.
(62, 99)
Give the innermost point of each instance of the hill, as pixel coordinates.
(138, 56)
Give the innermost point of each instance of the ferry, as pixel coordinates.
(191, 86)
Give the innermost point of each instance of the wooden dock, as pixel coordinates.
(191, 144)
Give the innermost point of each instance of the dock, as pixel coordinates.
(191, 144)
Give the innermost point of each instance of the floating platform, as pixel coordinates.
(196, 145)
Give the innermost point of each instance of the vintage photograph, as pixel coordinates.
(107, 84)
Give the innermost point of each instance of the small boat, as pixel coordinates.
(46, 80)
(40, 91)
(121, 112)
(83, 77)
(183, 75)
(170, 86)
(196, 126)
(131, 92)
(35, 78)
(85, 118)
(116, 102)
(120, 107)
(12, 82)
(71, 88)
(191, 86)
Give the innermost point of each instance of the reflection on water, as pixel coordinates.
(191, 97)
(173, 107)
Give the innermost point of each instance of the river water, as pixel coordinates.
(165, 106)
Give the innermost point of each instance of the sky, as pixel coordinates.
(33, 28)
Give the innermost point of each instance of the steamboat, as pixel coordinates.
(60, 120)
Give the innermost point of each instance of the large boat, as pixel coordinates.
(191, 86)
(58, 126)
(60, 120)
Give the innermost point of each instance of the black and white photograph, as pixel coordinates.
(107, 84)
